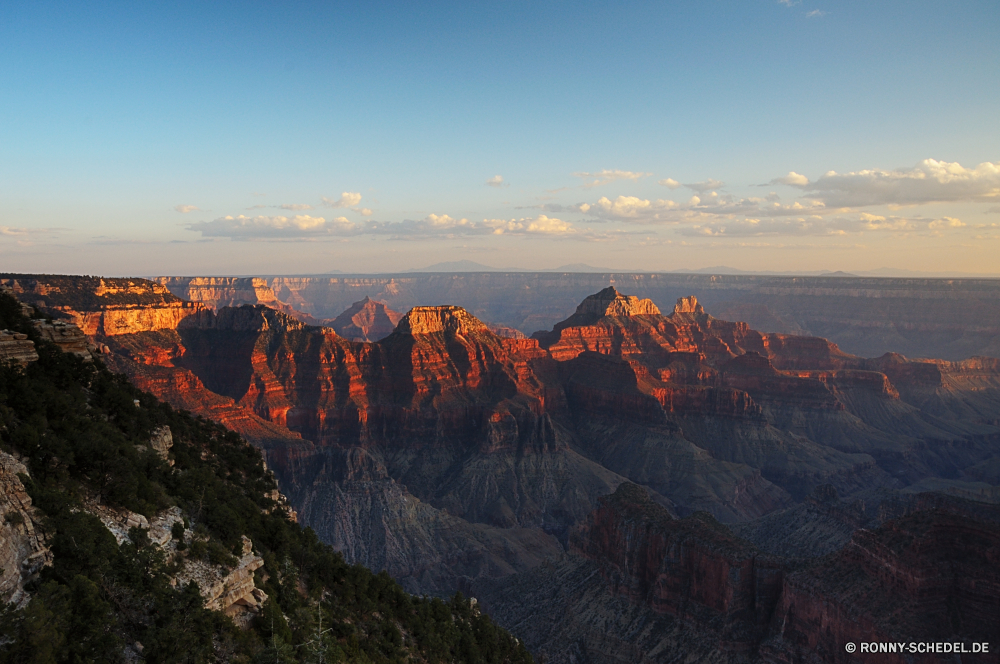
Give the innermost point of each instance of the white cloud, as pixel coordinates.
(607, 176)
(346, 200)
(432, 226)
(295, 206)
(299, 226)
(669, 183)
(930, 181)
(540, 225)
(707, 185)
(184, 209)
(816, 13)
(495, 181)
(364, 212)
(698, 208)
(815, 225)
(947, 222)
(793, 179)
(788, 3)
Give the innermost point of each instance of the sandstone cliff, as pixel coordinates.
(450, 455)
(366, 320)
(943, 318)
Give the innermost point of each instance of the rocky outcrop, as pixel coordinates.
(366, 320)
(67, 336)
(22, 546)
(219, 292)
(16, 347)
(103, 307)
(231, 591)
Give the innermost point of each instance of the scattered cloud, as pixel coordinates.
(496, 181)
(607, 176)
(788, 3)
(296, 206)
(930, 181)
(815, 225)
(698, 208)
(669, 183)
(364, 212)
(184, 209)
(707, 185)
(256, 207)
(793, 179)
(947, 222)
(816, 13)
(241, 227)
(432, 226)
(346, 200)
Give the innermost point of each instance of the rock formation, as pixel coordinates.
(943, 318)
(16, 347)
(67, 336)
(366, 320)
(22, 546)
(454, 457)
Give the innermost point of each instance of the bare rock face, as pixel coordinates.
(232, 592)
(219, 292)
(438, 320)
(609, 302)
(67, 336)
(366, 320)
(688, 305)
(22, 547)
(161, 441)
(16, 347)
(104, 307)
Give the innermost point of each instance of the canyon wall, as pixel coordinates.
(457, 458)
(943, 318)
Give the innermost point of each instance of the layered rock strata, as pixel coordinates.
(16, 347)
(22, 545)
(944, 318)
(366, 320)
(454, 457)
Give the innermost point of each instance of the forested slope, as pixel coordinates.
(85, 436)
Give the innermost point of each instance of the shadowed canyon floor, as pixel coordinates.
(579, 481)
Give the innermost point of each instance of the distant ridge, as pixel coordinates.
(472, 266)
(464, 266)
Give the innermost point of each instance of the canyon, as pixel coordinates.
(682, 481)
(950, 319)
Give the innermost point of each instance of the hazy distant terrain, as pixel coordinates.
(869, 316)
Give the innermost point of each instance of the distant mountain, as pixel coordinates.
(464, 266)
(583, 267)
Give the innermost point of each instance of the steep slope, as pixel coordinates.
(366, 320)
(454, 457)
(164, 539)
(641, 586)
(952, 319)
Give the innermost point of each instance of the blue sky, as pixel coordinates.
(280, 138)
